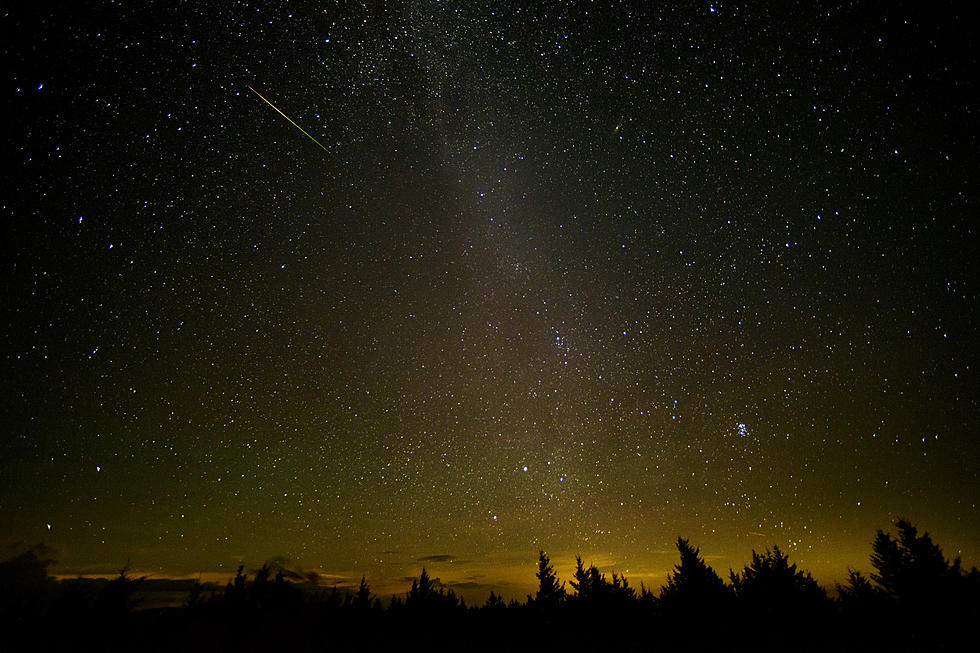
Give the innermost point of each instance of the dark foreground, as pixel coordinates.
(915, 601)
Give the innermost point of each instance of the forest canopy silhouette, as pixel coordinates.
(914, 599)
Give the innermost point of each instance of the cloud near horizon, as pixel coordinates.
(442, 557)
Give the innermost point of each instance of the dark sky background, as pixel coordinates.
(580, 276)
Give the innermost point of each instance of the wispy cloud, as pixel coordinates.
(442, 557)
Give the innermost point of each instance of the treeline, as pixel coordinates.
(915, 599)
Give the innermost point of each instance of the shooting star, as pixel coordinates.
(288, 118)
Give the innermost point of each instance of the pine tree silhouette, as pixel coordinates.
(494, 602)
(915, 599)
(589, 584)
(772, 585)
(580, 579)
(24, 583)
(118, 598)
(693, 585)
(857, 587)
(621, 590)
(421, 591)
(911, 568)
(550, 593)
(936, 601)
(362, 600)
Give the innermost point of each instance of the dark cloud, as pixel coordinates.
(442, 557)
(472, 586)
(293, 571)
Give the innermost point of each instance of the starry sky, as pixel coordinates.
(579, 276)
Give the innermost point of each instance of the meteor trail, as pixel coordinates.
(288, 118)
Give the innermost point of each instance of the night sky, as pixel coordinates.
(575, 276)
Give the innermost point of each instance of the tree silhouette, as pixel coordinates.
(116, 598)
(647, 598)
(236, 590)
(592, 588)
(621, 590)
(936, 601)
(771, 584)
(914, 585)
(693, 585)
(863, 607)
(424, 596)
(195, 597)
(911, 568)
(857, 588)
(589, 584)
(580, 579)
(362, 600)
(550, 593)
(261, 592)
(24, 583)
(494, 602)
(915, 599)
(421, 591)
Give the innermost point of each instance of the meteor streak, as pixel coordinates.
(288, 118)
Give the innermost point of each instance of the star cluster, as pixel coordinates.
(575, 277)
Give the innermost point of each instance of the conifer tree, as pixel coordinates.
(911, 567)
(693, 582)
(550, 593)
(772, 583)
(580, 579)
(362, 599)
